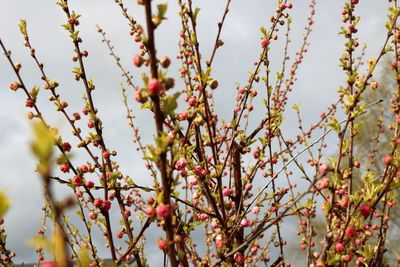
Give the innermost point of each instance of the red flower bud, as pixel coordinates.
(155, 87)
(365, 210)
(163, 210)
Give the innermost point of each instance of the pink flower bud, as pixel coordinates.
(149, 211)
(162, 244)
(365, 210)
(323, 168)
(181, 164)
(227, 192)
(245, 223)
(155, 87)
(198, 170)
(248, 186)
(264, 42)
(162, 210)
(255, 210)
(323, 183)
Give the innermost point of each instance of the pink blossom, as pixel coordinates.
(255, 210)
(181, 164)
(163, 210)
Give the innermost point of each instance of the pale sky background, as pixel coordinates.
(319, 77)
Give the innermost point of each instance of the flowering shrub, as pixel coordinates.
(235, 185)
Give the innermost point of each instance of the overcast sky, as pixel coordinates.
(319, 76)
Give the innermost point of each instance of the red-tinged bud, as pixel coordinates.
(89, 184)
(239, 258)
(323, 184)
(71, 21)
(119, 234)
(348, 257)
(169, 83)
(245, 222)
(214, 84)
(352, 28)
(345, 202)
(155, 87)
(227, 192)
(64, 104)
(150, 200)
(163, 210)
(165, 62)
(66, 147)
(127, 213)
(374, 85)
(248, 186)
(203, 217)
(350, 232)
(198, 170)
(84, 168)
(264, 42)
(106, 205)
(77, 181)
(106, 154)
(255, 210)
(162, 244)
(30, 115)
(323, 168)
(138, 61)
(14, 86)
(387, 159)
(365, 210)
(76, 116)
(339, 247)
(357, 164)
(92, 215)
(150, 211)
(181, 164)
(183, 116)
(141, 95)
(64, 167)
(192, 101)
(29, 103)
(97, 202)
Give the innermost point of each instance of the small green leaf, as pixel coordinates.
(35, 91)
(146, 105)
(263, 30)
(160, 198)
(162, 10)
(335, 125)
(4, 204)
(42, 146)
(296, 107)
(84, 257)
(196, 12)
(170, 103)
(22, 27)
